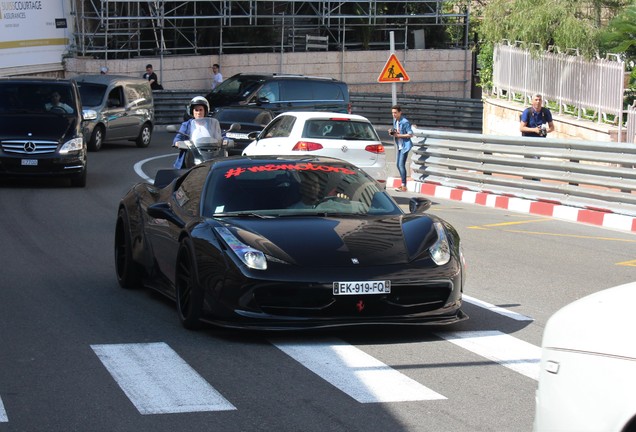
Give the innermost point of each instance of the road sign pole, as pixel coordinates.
(393, 84)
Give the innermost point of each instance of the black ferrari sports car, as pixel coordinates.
(294, 242)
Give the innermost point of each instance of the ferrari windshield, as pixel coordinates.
(294, 188)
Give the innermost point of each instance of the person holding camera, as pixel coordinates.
(402, 134)
(536, 121)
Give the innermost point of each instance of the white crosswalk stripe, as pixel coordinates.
(513, 353)
(499, 310)
(157, 380)
(356, 373)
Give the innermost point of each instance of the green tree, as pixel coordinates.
(620, 35)
(542, 24)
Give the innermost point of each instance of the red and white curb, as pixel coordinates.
(521, 205)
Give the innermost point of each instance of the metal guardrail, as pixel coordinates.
(598, 175)
(422, 111)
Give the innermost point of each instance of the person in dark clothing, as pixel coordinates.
(152, 78)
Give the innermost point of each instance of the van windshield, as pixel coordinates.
(91, 94)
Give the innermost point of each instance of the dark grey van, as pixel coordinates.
(282, 92)
(116, 108)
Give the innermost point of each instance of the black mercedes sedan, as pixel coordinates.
(277, 243)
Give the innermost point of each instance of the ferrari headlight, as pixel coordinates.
(440, 251)
(251, 257)
(74, 144)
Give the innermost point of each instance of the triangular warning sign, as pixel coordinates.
(393, 71)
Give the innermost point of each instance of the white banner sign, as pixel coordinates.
(32, 32)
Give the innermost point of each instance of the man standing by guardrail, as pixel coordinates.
(536, 121)
(401, 133)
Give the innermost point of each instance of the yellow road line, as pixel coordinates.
(509, 223)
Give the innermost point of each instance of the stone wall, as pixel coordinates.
(432, 72)
(501, 117)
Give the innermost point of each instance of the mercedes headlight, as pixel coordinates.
(75, 144)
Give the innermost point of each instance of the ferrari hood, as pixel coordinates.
(337, 241)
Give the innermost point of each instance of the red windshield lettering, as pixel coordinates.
(235, 172)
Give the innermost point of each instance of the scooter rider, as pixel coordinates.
(199, 126)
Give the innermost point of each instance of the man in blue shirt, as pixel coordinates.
(536, 121)
(402, 134)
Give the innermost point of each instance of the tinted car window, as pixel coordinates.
(280, 127)
(276, 188)
(237, 88)
(30, 98)
(270, 91)
(297, 90)
(326, 91)
(339, 129)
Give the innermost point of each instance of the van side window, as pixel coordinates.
(137, 94)
(297, 90)
(327, 91)
(116, 98)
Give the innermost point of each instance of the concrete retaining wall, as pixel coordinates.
(501, 117)
(432, 72)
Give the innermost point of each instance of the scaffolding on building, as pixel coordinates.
(119, 29)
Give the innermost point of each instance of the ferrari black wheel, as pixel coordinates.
(188, 291)
(128, 271)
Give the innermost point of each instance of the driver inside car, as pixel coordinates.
(56, 104)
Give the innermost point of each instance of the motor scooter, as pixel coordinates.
(202, 149)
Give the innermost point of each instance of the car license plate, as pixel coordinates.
(361, 287)
(235, 135)
(29, 162)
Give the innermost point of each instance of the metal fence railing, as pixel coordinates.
(631, 124)
(583, 174)
(587, 89)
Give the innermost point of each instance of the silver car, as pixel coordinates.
(344, 136)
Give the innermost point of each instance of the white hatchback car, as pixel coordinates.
(344, 136)
(587, 380)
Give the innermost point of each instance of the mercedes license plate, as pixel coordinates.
(361, 287)
(29, 162)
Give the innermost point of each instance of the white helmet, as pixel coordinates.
(199, 100)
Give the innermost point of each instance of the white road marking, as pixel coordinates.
(157, 380)
(356, 373)
(508, 351)
(3, 414)
(496, 309)
(139, 170)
